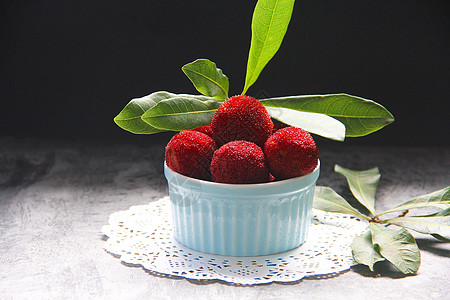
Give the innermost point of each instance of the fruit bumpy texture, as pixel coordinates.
(189, 153)
(291, 152)
(206, 129)
(241, 118)
(239, 162)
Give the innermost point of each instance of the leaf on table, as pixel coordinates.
(269, 25)
(435, 224)
(181, 113)
(360, 116)
(364, 251)
(439, 199)
(439, 237)
(397, 246)
(442, 213)
(327, 199)
(363, 185)
(445, 213)
(315, 123)
(207, 78)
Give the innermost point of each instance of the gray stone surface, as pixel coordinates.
(55, 197)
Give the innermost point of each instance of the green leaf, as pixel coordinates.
(319, 124)
(435, 224)
(439, 199)
(441, 238)
(130, 117)
(442, 213)
(397, 246)
(327, 199)
(445, 212)
(207, 78)
(364, 251)
(360, 116)
(181, 113)
(363, 185)
(269, 25)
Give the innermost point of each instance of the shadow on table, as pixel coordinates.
(380, 269)
(433, 246)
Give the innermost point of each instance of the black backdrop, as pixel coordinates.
(68, 67)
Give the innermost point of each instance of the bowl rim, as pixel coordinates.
(243, 185)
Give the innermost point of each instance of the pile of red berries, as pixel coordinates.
(242, 145)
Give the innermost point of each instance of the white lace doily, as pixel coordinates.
(143, 236)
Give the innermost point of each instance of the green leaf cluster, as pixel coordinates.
(379, 242)
(164, 111)
(334, 116)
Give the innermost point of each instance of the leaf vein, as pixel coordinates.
(210, 79)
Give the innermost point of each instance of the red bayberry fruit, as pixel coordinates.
(291, 152)
(206, 129)
(189, 153)
(241, 118)
(239, 162)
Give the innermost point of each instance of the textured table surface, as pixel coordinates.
(55, 197)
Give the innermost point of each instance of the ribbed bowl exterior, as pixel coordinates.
(241, 219)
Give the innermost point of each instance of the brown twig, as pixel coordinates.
(403, 213)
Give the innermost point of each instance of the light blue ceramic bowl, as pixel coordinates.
(241, 219)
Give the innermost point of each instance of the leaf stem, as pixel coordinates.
(376, 219)
(404, 213)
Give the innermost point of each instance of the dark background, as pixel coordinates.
(68, 67)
